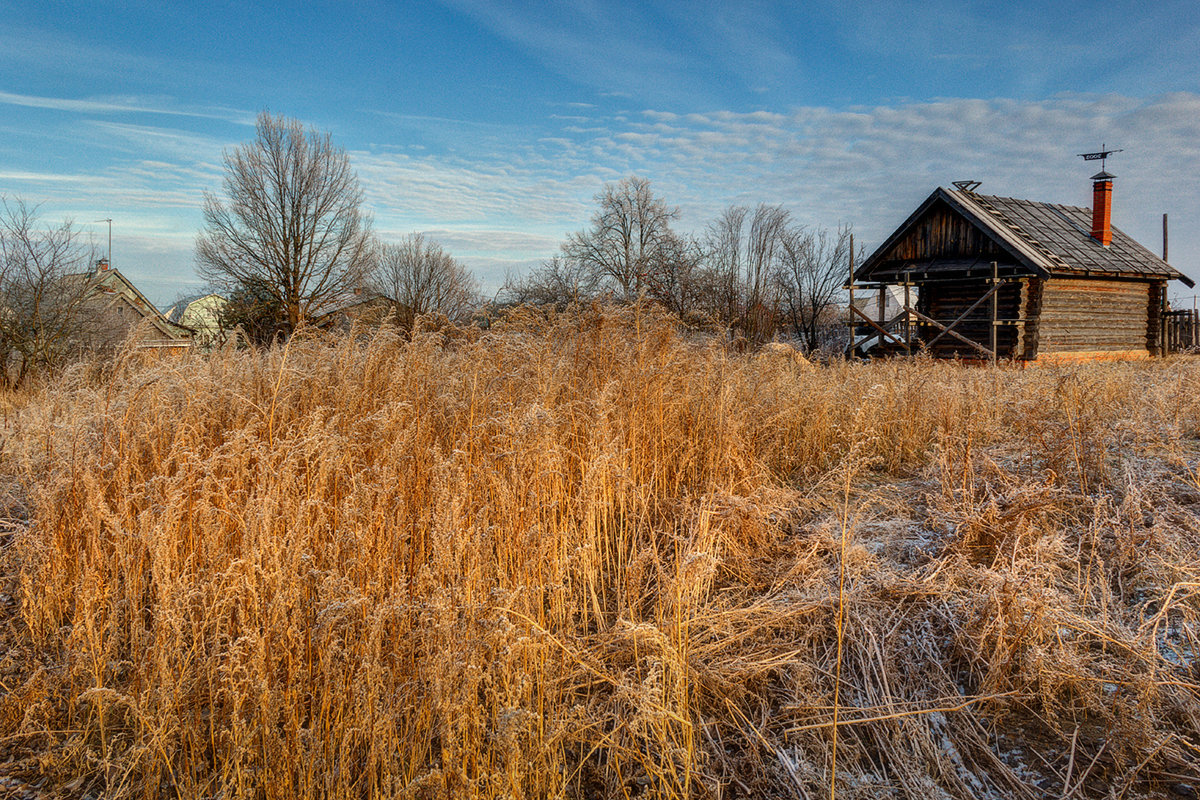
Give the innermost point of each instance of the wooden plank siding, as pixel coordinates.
(942, 233)
(1089, 315)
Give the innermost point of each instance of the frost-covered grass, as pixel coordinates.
(587, 556)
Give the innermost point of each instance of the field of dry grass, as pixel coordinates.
(586, 556)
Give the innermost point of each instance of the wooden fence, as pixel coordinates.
(1181, 330)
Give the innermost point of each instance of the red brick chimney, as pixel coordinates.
(1102, 188)
(102, 265)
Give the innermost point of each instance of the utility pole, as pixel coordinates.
(1165, 238)
(109, 256)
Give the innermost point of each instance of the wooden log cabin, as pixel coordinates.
(1000, 278)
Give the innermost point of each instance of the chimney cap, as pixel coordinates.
(1103, 175)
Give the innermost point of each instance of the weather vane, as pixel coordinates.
(1100, 156)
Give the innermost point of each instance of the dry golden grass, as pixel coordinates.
(582, 556)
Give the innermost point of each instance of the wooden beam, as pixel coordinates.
(907, 321)
(961, 317)
(948, 330)
(995, 309)
(876, 326)
(850, 286)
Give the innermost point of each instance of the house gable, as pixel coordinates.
(946, 234)
(112, 282)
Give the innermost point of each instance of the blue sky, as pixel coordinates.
(491, 126)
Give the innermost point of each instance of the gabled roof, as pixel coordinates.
(1047, 238)
(175, 313)
(112, 283)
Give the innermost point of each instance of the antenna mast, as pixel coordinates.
(109, 256)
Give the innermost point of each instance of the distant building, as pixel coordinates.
(115, 307)
(867, 301)
(202, 314)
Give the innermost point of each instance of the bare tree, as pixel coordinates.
(421, 278)
(744, 248)
(292, 223)
(678, 280)
(809, 278)
(724, 251)
(45, 282)
(557, 282)
(630, 237)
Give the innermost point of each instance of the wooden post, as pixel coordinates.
(1164, 237)
(882, 308)
(850, 312)
(907, 317)
(995, 309)
(1163, 347)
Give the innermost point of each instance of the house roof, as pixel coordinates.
(102, 284)
(175, 313)
(1047, 238)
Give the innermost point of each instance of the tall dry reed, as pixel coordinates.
(583, 555)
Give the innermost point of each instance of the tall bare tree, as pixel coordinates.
(45, 282)
(723, 246)
(744, 247)
(630, 237)
(809, 278)
(291, 223)
(422, 278)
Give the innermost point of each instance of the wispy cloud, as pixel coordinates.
(492, 242)
(23, 176)
(183, 147)
(869, 166)
(613, 49)
(125, 105)
(32, 50)
(420, 120)
(504, 203)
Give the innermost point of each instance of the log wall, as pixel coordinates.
(1155, 325)
(946, 300)
(1094, 315)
